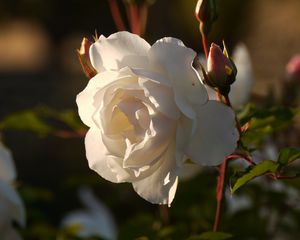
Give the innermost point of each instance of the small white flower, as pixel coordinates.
(96, 220)
(11, 205)
(147, 109)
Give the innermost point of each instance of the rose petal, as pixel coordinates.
(99, 158)
(170, 55)
(90, 99)
(12, 207)
(155, 141)
(161, 185)
(161, 96)
(216, 135)
(7, 169)
(183, 136)
(119, 50)
(9, 233)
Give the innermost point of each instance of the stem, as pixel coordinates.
(220, 193)
(143, 14)
(133, 18)
(164, 214)
(237, 155)
(222, 171)
(237, 123)
(115, 12)
(204, 41)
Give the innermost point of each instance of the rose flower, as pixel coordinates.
(148, 112)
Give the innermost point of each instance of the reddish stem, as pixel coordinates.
(164, 214)
(132, 12)
(237, 155)
(220, 193)
(115, 12)
(237, 123)
(204, 41)
(70, 134)
(143, 14)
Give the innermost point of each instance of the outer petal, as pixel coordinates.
(11, 205)
(216, 135)
(9, 233)
(100, 160)
(119, 50)
(7, 166)
(183, 136)
(160, 187)
(88, 101)
(172, 57)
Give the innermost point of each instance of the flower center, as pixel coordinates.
(130, 118)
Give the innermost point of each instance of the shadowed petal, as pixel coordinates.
(172, 57)
(11, 205)
(99, 158)
(161, 185)
(7, 166)
(216, 135)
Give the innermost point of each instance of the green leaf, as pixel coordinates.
(26, 120)
(211, 236)
(288, 155)
(257, 170)
(264, 122)
(42, 121)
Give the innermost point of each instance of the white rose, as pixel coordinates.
(146, 109)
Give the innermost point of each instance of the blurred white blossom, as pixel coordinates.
(241, 89)
(95, 220)
(11, 205)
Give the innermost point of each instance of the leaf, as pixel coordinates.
(42, 121)
(264, 122)
(257, 170)
(288, 155)
(211, 236)
(26, 120)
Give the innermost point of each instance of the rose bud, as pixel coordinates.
(293, 68)
(84, 58)
(221, 69)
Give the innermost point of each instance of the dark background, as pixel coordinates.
(38, 66)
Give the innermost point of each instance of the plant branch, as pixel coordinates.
(220, 193)
(115, 12)
(204, 40)
(132, 12)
